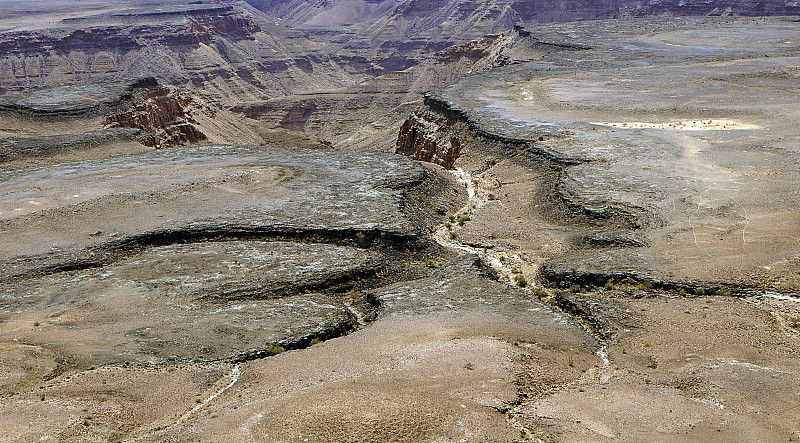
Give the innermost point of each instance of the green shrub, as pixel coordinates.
(274, 349)
(519, 279)
(541, 293)
(362, 240)
(463, 219)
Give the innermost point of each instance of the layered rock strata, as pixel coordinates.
(160, 112)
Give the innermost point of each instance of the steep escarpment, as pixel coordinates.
(223, 51)
(637, 200)
(115, 117)
(369, 114)
(160, 112)
(417, 139)
(441, 134)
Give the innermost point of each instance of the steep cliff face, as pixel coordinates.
(370, 114)
(396, 34)
(422, 137)
(174, 45)
(160, 112)
(223, 51)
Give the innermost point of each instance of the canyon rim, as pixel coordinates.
(400, 220)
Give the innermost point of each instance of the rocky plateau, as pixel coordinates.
(399, 220)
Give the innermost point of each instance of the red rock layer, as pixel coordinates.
(160, 112)
(418, 140)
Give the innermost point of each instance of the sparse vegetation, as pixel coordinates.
(430, 264)
(362, 240)
(700, 292)
(274, 349)
(315, 341)
(463, 219)
(609, 285)
(541, 293)
(575, 287)
(519, 279)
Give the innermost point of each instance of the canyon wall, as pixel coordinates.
(161, 113)
(222, 51)
(443, 15)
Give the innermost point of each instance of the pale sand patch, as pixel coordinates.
(688, 125)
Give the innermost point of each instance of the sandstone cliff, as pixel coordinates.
(419, 140)
(160, 112)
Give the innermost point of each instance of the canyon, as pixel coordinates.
(399, 220)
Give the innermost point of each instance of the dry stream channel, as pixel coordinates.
(508, 266)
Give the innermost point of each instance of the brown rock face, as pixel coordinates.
(159, 111)
(417, 139)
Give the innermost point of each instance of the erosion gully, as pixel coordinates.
(504, 263)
